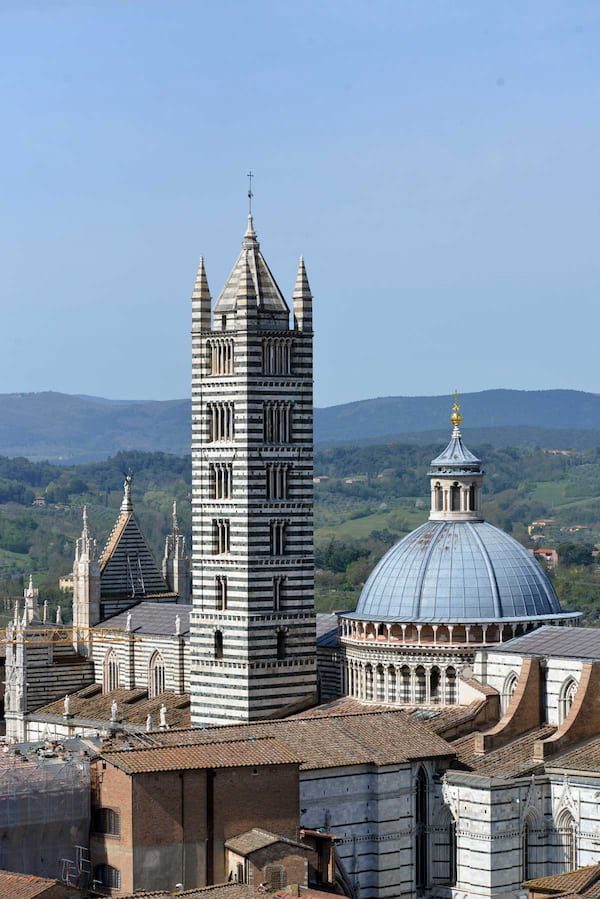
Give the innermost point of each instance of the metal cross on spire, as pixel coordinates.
(250, 176)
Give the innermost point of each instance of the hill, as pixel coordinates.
(70, 428)
(366, 497)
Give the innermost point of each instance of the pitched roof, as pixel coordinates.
(269, 297)
(127, 567)
(152, 618)
(437, 718)
(133, 707)
(380, 738)
(515, 759)
(327, 629)
(561, 642)
(583, 757)
(571, 882)
(222, 754)
(217, 891)
(23, 886)
(257, 839)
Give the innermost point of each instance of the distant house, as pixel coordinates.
(547, 555)
(39, 501)
(320, 478)
(558, 452)
(65, 583)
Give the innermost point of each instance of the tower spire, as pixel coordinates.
(302, 298)
(201, 300)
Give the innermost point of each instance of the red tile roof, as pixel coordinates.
(572, 882)
(381, 738)
(24, 886)
(230, 754)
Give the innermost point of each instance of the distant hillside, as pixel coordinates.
(393, 416)
(65, 428)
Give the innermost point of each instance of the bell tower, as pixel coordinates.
(253, 624)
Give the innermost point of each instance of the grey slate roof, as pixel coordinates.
(454, 571)
(327, 629)
(456, 458)
(152, 618)
(558, 642)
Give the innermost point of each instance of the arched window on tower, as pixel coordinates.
(566, 698)
(218, 645)
(111, 672)
(421, 832)
(510, 685)
(156, 675)
(455, 497)
(438, 498)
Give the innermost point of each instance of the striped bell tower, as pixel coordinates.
(253, 624)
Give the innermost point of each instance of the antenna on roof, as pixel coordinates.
(250, 176)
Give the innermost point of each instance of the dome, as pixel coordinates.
(456, 571)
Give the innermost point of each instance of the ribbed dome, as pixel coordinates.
(455, 571)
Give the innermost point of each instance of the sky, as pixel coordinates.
(436, 163)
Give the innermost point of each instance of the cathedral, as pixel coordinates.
(446, 731)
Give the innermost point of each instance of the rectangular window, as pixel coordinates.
(221, 421)
(277, 422)
(221, 480)
(220, 536)
(276, 486)
(220, 354)
(221, 592)
(277, 353)
(278, 537)
(106, 820)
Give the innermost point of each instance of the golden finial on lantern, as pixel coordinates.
(456, 418)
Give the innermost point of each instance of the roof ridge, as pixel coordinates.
(185, 745)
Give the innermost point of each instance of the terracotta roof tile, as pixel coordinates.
(218, 891)
(514, 759)
(230, 754)
(257, 838)
(584, 757)
(23, 886)
(382, 738)
(569, 882)
(133, 707)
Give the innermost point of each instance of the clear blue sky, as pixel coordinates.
(437, 163)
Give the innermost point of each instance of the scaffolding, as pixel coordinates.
(44, 810)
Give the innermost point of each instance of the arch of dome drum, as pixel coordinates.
(453, 585)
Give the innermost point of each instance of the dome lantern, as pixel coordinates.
(456, 477)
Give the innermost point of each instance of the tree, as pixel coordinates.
(575, 553)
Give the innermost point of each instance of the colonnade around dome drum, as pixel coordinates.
(425, 683)
(420, 663)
